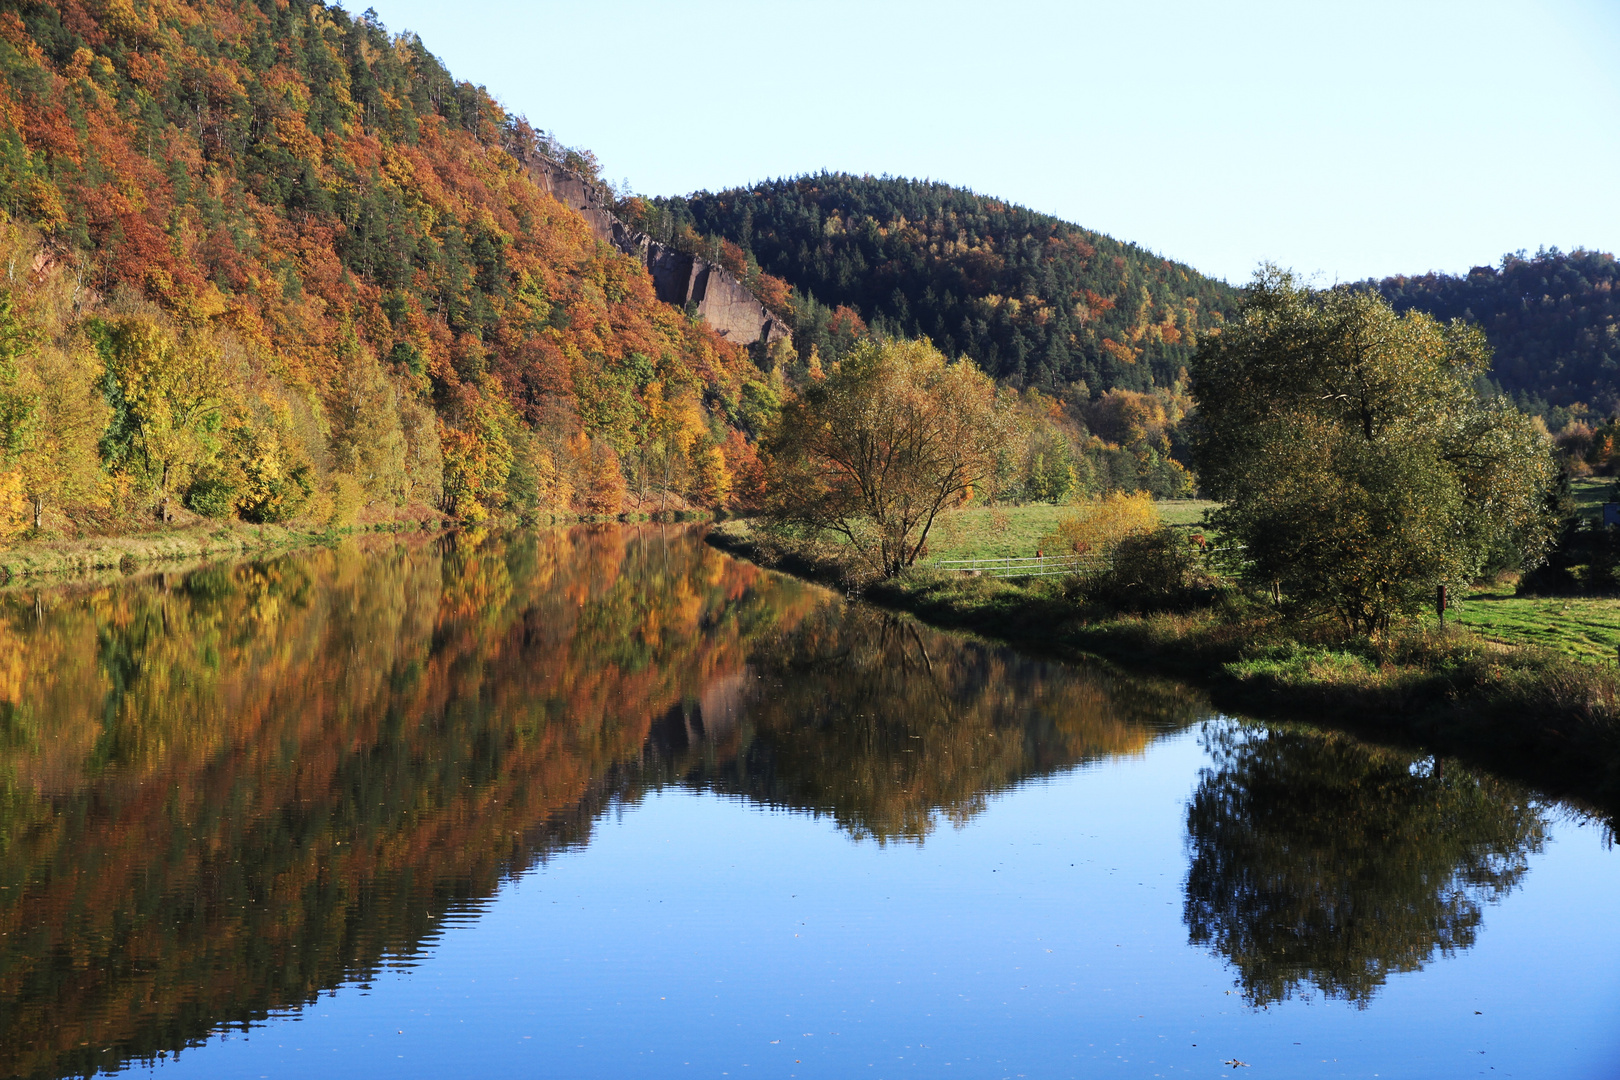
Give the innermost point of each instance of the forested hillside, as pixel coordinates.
(263, 259)
(1035, 300)
(1553, 320)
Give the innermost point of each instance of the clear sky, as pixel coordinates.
(1344, 140)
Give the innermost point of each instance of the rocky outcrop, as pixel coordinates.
(714, 292)
(570, 189)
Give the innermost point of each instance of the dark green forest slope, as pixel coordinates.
(1035, 300)
(1553, 320)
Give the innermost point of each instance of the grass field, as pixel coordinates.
(1590, 494)
(1581, 627)
(1587, 628)
(998, 532)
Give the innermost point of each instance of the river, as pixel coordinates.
(605, 802)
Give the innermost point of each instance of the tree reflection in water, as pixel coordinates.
(889, 727)
(224, 791)
(1318, 861)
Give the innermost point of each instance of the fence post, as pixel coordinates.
(1440, 603)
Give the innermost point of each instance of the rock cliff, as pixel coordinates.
(719, 298)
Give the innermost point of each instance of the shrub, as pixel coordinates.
(1158, 570)
(212, 493)
(1099, 525)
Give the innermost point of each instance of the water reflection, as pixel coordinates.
(224, 791)
(888, 728)
(1321, 862)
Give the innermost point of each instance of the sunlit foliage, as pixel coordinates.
(312, 264)
(1097, 526)
(1358, 465)
(1033, 299)
(879, 448)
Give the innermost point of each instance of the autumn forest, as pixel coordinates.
(267, 262)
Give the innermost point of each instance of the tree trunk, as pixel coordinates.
(163, 495)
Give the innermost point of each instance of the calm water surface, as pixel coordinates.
(606, 803)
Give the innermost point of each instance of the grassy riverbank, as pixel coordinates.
(184, 543)
(194, 539)
(1524, 711)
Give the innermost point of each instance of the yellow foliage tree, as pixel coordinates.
(1098, 525)
(713, 477)
(165, 395)
(878, 449)
(58, 460)
(477, 461)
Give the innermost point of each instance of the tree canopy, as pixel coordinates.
(1552, 319)
(350, 246)
(1356, 461)
(879, 447)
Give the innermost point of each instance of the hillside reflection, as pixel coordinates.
(1319, 862)
(867, 717)
(225, 791)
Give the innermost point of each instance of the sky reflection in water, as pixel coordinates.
(743, 830)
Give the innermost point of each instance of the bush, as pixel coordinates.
(1152, 571)
(280, 498)
(1099, 525)
(212, 494)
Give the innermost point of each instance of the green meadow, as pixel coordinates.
(1000, 532)
(1585, 628)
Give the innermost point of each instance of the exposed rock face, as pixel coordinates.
(720, 299)
(570, 189)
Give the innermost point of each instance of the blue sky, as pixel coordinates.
(1342, 140)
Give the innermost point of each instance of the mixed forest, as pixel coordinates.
(1553, 321)
(266, 261)
(1034, 300)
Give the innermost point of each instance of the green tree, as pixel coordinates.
(19, 400)
(1355, 459)
(1050, 467)
(873, 453)
(165, 399)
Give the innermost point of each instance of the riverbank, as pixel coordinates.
(1520, 711)
(184, 543)
(193, 539)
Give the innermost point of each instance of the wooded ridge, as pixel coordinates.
(266, 261)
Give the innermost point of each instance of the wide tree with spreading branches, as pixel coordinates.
(875, 451)
(1355, 459)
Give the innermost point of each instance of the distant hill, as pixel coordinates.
(1553, 319)
(1034, 299)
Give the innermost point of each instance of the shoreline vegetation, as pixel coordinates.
(56, 559)
(1523, 711)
